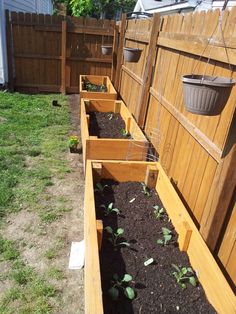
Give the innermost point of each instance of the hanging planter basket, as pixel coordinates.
(132, 54)
(206, 95)
(106, 50)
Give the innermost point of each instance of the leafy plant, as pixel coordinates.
(146, 190)
(124, 133)
(116, 236)
(159, 213)
(123, 285)
(109, 209)
(100, 188)
(184, 275)
(73, 141)
(167, 237)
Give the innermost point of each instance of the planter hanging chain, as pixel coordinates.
(212, 40)
(204, 94)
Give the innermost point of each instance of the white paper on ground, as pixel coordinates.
(77, 255)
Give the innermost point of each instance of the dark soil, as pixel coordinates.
(106, 125)
(156, 288)
(93, 87)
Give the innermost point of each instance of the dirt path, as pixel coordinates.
(47, 246)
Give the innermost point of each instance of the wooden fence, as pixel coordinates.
(197, 152)
(48, 53)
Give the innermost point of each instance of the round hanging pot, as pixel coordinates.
(106, 50)
(132, 54)
(206, 95)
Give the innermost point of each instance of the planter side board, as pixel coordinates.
(92, 277)
(112, 149)
(98, 80)
(216, 287)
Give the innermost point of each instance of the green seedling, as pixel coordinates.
(100, 188)
(167, 237)
(159, 213)
(109, 209)
(124, 133)
(121, 284)
(115, 237)
(146, 190)
(184, 275)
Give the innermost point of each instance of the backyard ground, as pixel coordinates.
(41, 205)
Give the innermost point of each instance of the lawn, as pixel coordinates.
(37, 204)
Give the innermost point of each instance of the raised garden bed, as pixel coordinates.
(96, 87)
(209, 274)
(118, 121)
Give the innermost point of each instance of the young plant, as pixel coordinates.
(116, 237)
(159, 213)
(73, 141)
(121, 284)
(109, 209)
(184, 275)
(124, 133)
(167, 237)
(146, 190)
(100, 188)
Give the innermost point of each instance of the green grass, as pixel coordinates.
(32, 132)
(33, 143)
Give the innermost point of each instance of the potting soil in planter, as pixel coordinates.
(107, 125)
(93, 87)
(156, 289)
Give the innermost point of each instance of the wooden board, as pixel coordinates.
(116, 149)
(98, 80)
(209, 273)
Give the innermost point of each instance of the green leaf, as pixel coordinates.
(116, 210)
(176, 267)
(120, 231)
(167, 238)
(127, 278)
(114, 293)
(129, 293)
(193, 281)
(184, 270)
(183, 286)
(160, 241)
(166, 231)
(109, 229)
(110, 206)
(148, 262)
(124, 243)
(156, 207)
(190, 270)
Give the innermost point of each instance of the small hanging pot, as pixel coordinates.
(132, 54)
(206, 95)
(106, 50)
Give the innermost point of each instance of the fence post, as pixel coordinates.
(120, 52)
(115, 53)
(152, 52)
(63, 56)
(10, 59)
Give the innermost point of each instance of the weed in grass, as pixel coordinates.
(55, 273)
(21, 273)
(8, 250)
(51, 253)
(49, 216)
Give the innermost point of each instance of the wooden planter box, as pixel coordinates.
(106, 148)
(98, 80)
(216, 287)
